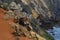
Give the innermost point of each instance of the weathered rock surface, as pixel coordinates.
(42, 14)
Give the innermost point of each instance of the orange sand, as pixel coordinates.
(6, 30)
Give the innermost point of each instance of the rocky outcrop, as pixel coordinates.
(42, 14)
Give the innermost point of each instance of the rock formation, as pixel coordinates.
(33, 17)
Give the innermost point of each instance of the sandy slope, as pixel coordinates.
(6, 30)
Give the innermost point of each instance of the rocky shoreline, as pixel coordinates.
(30, 17)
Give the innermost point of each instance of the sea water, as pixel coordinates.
(55, 32)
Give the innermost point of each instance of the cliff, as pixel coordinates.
(33, 15)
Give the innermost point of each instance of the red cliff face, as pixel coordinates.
(6, 30)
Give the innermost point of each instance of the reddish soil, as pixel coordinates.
(6, 30)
